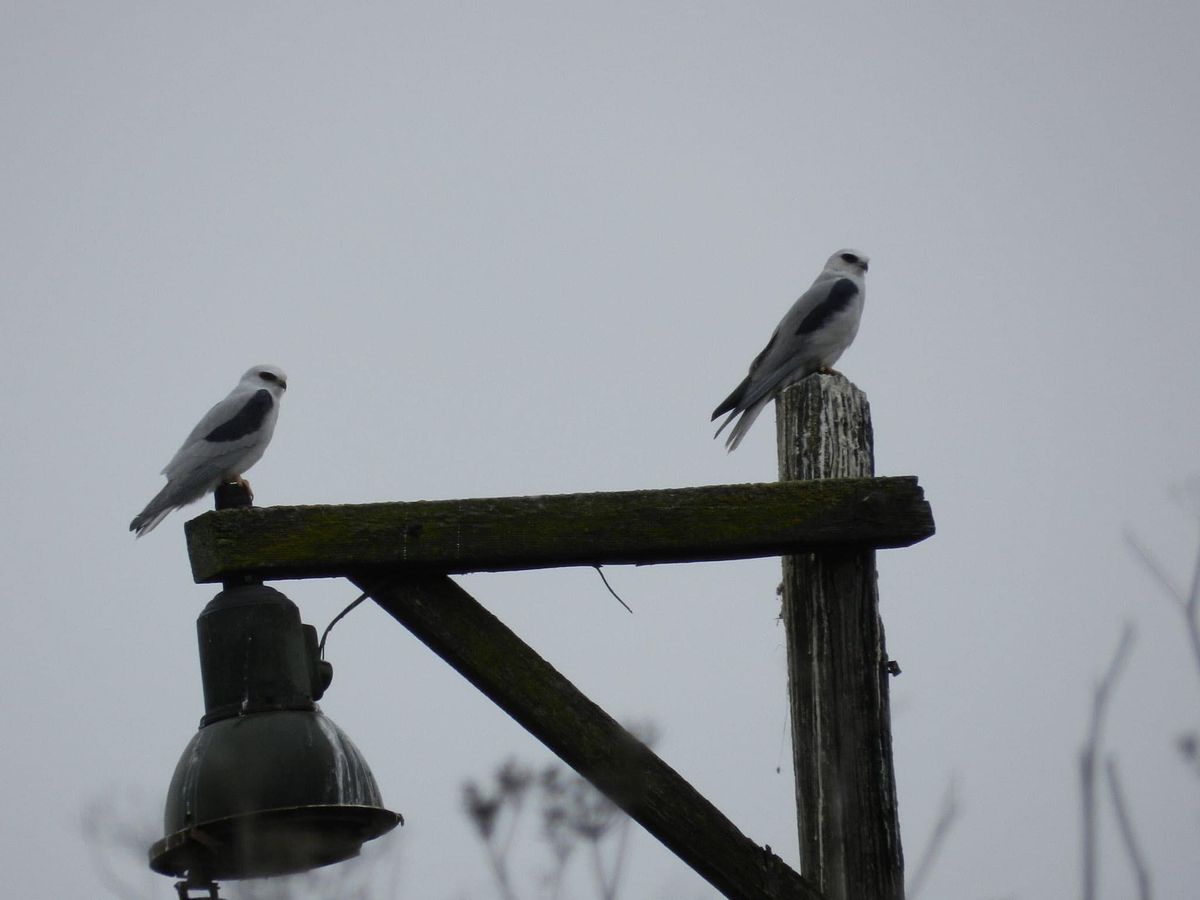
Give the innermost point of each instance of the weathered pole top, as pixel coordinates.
(716, 522)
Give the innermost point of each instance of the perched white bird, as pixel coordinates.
(810, 338)
(229, 440)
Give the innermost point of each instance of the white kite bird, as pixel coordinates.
(229, 440)
(810, 338)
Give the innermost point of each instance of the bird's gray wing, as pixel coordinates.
(202, 464)
(735, 396)
(785, 357)
(195, 470)
(240, 414)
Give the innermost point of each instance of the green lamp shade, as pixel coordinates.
(268, 785)
(270, 793)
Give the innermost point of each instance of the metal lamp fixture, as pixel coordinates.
(269, 785)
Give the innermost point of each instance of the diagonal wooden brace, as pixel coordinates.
(509, 672)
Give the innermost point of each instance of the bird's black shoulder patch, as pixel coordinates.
(843, 291)
(248, 419)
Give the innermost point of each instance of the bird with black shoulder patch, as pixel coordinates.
(811, 337)
(231, 437)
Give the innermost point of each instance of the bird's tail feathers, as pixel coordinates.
(156, 510)
(732, 401)
(733, 415)
(743, 424)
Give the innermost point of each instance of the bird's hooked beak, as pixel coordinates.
(864, 265)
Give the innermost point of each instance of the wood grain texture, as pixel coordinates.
(480, 647)
(837, 664)
(639, 527)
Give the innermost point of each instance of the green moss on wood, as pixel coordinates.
(640, 527)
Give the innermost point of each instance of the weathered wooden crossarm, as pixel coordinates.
(477, 644)
(639, 527)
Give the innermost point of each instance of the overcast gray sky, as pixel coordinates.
(527, 249)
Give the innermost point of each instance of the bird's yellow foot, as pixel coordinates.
(827, 370)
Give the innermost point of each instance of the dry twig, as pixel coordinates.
(937, 837)
(1125, 823)
(1087, 759)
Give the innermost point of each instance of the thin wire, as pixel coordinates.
(611, 591)
(783, 733)
(336, 619)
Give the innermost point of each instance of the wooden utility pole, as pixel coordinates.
(838, 667)
(401, 553)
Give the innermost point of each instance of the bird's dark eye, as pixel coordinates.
(268, 376)
(850, 258)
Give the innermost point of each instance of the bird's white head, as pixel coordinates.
(848, 262)
(272, 378)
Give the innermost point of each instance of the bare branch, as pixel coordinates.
(618, 867)
(1154, 567)
(1128, 838)
(1188, 604)
(933, 846)
(1188, 745)
(1193, 598)
(486, 811)
(117, 831)
(1087, 758)
(1190, 613)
